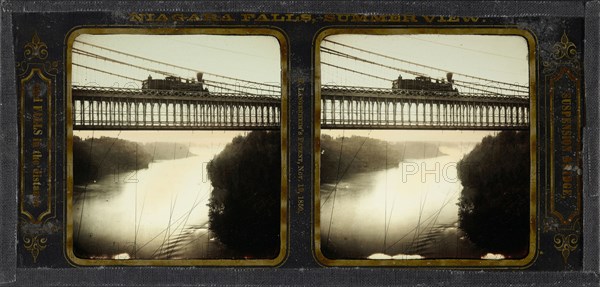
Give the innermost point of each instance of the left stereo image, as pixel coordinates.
(174, 147)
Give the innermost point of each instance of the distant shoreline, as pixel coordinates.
(344, 156)
(95, 158)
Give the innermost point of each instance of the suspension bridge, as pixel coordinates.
(170, 102)
(457, 102)
(218, 102)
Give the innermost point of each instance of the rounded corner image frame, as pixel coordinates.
(283, 42)
(534, 205)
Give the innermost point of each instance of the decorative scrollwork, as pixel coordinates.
(21, 66)
(35, 245)
(564, 53)
(36, 49)
(566, 244)
(35, 232)
(51, 67)
(565, 48)
(562, 60)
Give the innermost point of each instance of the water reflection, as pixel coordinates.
(406, 212)
(155, 213)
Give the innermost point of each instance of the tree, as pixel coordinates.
(95, 158)
(494, 203)
(244, 208)
(84, 169)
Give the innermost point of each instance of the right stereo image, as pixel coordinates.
(425, 155)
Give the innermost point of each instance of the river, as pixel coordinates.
(408, 211)
(159, 212)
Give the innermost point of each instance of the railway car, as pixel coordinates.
(175, 83)
(421, 83)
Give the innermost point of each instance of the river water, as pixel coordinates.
(156, 213)
(161, 212)
(409, 211)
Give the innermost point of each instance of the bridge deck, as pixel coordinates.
(105, 108)
(420, 95)
(105, 93)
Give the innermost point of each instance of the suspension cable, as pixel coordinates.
(456, 82)
(174, 66)
(355, 71)
(105, 72)
(423, 66)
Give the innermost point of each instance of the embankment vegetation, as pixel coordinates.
(494, 203)
(245, 204)
(95, 158)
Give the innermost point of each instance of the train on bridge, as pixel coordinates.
(175, 83)
(422, 83)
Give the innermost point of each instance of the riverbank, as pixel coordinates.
(96, 158)
(346, 156)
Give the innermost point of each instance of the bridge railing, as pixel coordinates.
(93, 90)
(416, 93)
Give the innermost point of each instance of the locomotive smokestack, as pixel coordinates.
(449, 77)
(199, 76)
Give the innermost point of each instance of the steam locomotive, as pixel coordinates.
(175, 83)
(424, 84)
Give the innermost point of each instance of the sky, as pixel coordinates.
(257, 58)
(252, 58)
(496, 57)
